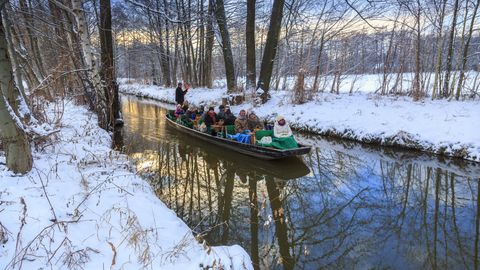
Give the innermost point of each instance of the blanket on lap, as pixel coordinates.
(279, 143)
(240, 137)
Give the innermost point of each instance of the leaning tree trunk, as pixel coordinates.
(13, 55)
(94, 95)
(32, 40)
(107, 71)
(16, 145)
(8, 87)
(226, 46)
(250, 45)
(270, 49)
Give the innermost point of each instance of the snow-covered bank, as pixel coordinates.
(82, 207)
(443, 127)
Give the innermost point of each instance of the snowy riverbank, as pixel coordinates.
(82, 207)
(443, 127)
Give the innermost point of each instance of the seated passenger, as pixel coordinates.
(241, 122)
(185, 106)
(210, 117)
(253, 122)
(185, 120)
(242, 135)
(191, 113)
(281, 129)
(178, 111)
(221, 112)
(203, 113)
(229, 118)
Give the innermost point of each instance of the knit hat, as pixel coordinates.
(279, 118)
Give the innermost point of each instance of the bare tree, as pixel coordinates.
(226, 46)
(17, 147)
(438, 63)
(250, 47)
(465, 51)
(209, 40)
(446, 86)
(107, 68)
(270, 49)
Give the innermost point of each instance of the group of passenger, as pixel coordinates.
(246, 122)
(209, 120)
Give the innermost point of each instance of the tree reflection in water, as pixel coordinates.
(354, 208)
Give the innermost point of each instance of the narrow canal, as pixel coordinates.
(344, 206)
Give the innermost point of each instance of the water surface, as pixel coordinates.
(344, 206)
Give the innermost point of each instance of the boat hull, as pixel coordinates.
(247, 149)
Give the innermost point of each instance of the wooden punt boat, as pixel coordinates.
(262, 152)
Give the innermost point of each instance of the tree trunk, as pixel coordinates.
(209, 39)
(94, 95)
(17, 148)
(172, 72)
(28, 67)
(190, 47)
(317, 65)
(250, 47)
(13, 55)
(438, 64)
(32, 41)
(226, 46)
(270, 49)
(164, 59)
(418, 65)
(200, 50)
(465, 52)
(107, 71)
(9, 89)
(175, 58)
(446, 84)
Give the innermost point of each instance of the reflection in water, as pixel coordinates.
(344, 206)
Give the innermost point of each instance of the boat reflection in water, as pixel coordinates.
(344, 206)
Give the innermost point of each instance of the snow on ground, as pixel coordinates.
(196, 96)
(82, 207)
(440, 126)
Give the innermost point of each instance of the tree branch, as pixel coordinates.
(360, 14)
(163, 14)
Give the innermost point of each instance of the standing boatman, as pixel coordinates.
(180, 93)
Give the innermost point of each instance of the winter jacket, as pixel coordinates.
(180, 95)
(229, 118)
(281, 131)
(241, 124)
(209, 120)
(253, 124)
